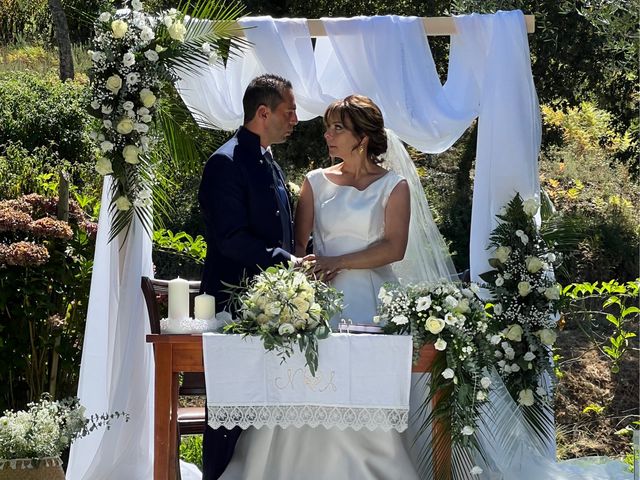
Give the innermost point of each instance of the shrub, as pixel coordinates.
(41, 111)
(590, 189)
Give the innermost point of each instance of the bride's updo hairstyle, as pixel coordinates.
(363, 118)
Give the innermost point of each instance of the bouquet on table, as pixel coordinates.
(453, 319)
(284, 307)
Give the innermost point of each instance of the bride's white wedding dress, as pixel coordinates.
(345, 220)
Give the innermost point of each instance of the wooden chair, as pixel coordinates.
(191, 420)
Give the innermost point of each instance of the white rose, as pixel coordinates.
(502, 363)
(502, 254)
(495, 339)
(123, 203)
(551, 257)
(98, 57)
(515, 367)
(525, 397)
(151, 55)
(128, 105)
(130, 154)
(499, 281)
(530, 206)
(514, 333)
(206, 48)
(467, 430)
(128, 59)
(548, 337)
(262, 319)
(497, 354)
(423, 303)
(524, 288)
(434, 325)
(448, 373)
(476, 470)
(147, 97)
(506, 369)
(106, 146)
(146, 118)
(286, 329)
(146, 34)
(301, 304)
(103, 166)
(101, 138)
(485, 382)
(119, 28)
(481, 396)
(125, 126)
(141, 127)
(136, 5)
(497, 309)
(299, 324)
(376, 319)
(451, 302)
(400, 320)
(107, 123)
(177, 31)
(168, 21)
(509, 353)
(104, 17)
(143, 111)
(552, 293)
(114, 83)
(463, 306)
(533, 264)
(440, 345)
(541, 391)
(529, 356)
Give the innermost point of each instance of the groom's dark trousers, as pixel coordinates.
(248, 228)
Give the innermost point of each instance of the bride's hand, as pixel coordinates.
(327, 268)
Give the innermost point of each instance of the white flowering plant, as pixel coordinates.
(452, 318)
(136, 55)
(285, 306)
(525, 305)
(47, 427)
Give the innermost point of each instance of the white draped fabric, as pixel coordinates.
(116, 373)
(388, 59)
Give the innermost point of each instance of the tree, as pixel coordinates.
(62, 37)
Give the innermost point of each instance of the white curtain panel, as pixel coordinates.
(116, 372)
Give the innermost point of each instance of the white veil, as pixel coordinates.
(427, 258)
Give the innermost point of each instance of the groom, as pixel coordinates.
(247, 215)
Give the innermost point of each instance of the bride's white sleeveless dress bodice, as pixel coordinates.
(346, 220)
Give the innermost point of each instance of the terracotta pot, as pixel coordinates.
(49, 468)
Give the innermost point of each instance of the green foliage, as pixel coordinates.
(41, 111)
(182, 243)
(191, 450)
(594, 195)
(614, 299)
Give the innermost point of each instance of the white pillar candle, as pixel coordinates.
(178, 299)
(204, 307)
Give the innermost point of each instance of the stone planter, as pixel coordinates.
(49, 468)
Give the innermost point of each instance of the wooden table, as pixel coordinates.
(173, 354)
(183, 353)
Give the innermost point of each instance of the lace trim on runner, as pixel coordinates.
(312, 416)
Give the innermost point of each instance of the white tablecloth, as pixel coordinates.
(362, 381)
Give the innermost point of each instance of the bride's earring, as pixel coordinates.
(361, 150)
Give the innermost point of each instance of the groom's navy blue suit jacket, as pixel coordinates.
(239, 201)
(246, 209)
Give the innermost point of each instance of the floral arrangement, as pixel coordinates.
(284, 306)
(47, 427)
(135, 55)
(525, 304)
(453, 319)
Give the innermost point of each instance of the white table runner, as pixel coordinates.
(362, 381)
